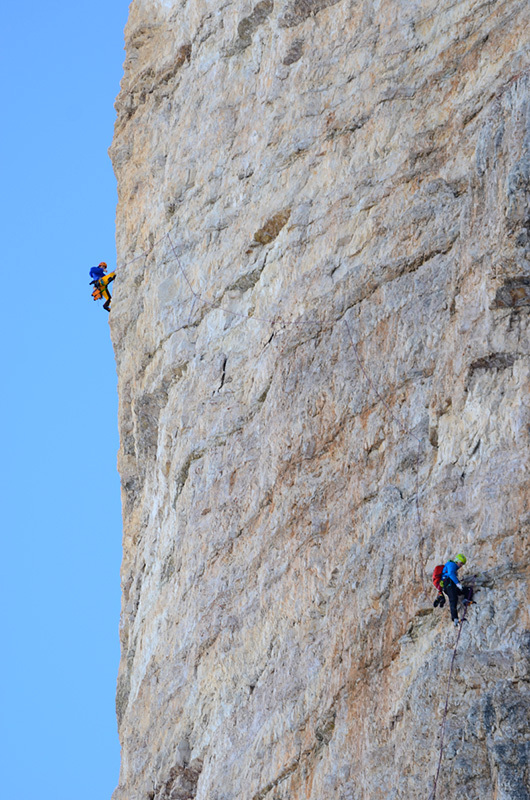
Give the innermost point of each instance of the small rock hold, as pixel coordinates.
(514, 293)
(493, 361)
(272, 227)
(294, 53)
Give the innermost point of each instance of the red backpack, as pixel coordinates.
(437, 577)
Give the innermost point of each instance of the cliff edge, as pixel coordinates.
(321, 330)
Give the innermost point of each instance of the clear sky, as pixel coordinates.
(61, 519)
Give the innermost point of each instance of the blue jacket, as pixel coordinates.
(450, 571)
(96, 273)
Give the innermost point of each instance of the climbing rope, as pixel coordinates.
(198, 298)
(408, 432)
(432, 796)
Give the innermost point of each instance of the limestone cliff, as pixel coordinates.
(321, 331)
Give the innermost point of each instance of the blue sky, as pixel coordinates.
(61, 528)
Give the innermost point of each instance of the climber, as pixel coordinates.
(452, 586)
(100, 281)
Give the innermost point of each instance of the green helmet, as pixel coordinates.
(460, 558)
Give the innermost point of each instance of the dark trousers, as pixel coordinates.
(452, 591)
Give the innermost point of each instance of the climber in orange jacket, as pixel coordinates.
(100, 281)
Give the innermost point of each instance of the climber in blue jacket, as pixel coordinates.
(452, 586)
(100, 282)
(98, 272)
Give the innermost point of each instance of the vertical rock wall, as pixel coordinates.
(321, 328)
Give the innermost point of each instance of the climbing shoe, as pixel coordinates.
(456, 623)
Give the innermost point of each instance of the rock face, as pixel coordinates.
(321, 331)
